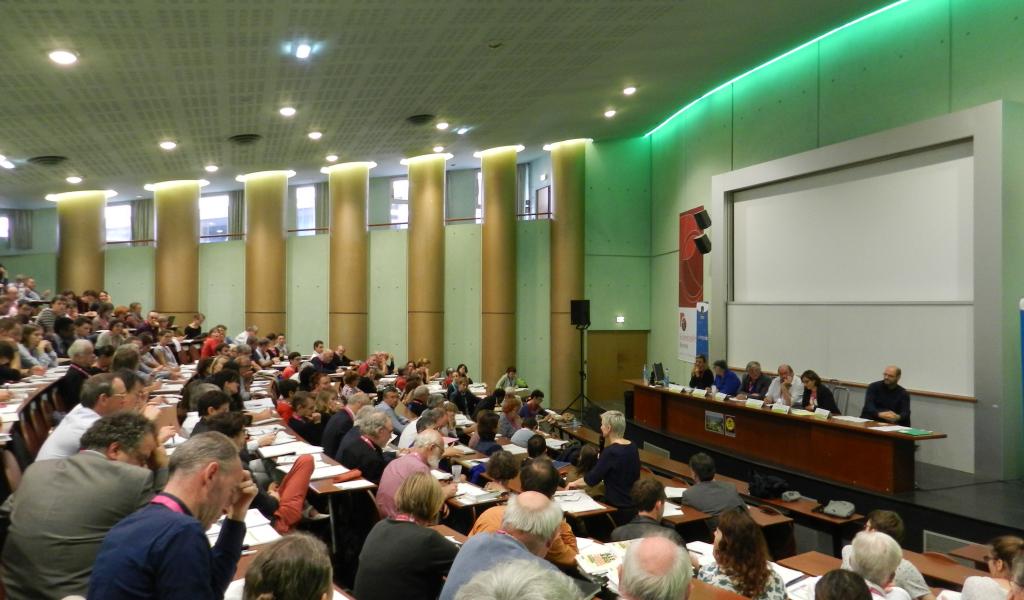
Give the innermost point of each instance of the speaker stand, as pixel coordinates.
(580, 397)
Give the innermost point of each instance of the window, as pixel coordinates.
(479, 212)
(400, 203)
(118, 219)
(305, 210)
(5, 227)
(213, 218)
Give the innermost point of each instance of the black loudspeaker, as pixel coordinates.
(579, 310)
(703, 219)
(703, 244)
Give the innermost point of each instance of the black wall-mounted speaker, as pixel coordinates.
(703, 244)
(703, 219)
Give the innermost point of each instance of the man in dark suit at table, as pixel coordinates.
(365, 450)
(755, 383)
(886, 400)
(708, 495)
(52, 542)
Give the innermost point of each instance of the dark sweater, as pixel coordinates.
(879, 398)
(704, 381)
(335, 429)
(158, 553)
(355, 453)
(403, 560)
(755, 388)
(310, 432)
(825, 400)
(619, 468)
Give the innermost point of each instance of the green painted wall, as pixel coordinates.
(460, 196)
(379, 209)
(463, 272)
(41, 266)
(389, 304)
(307, 291)
(222, 284)
(533, 303)
(129, 275)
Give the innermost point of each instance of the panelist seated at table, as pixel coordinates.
(754, 383)
(725, 381)
(701, 376)
(816, 394)
(786, 388)
(887, 400)
(907, 576)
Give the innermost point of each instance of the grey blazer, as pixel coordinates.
(62, 510)
(712, 497)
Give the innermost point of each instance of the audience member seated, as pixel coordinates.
(425, 455)
(8, 373)
(816, 394)
(325, 362)
(701, 376)
(741, 559)
(63, 508)
(294, 362)
(582, 463)
(34, 350)
(211, 403)
(618, 467)
(428, 419)
(340, 422)
(389, 400)
(461, 396)
(510, 421)
(502, 467)
(214, 339)
(63, 336)
(294, 567)
(416, 402)
(725, 382)
(489, 403)
(402, 557)
(286, 390)
(162, 551)
(840, 584)
(887, 400)
(537, 448)
(104, 358)
(1002, 552)
(49, 315)
(194, 329)
(649, 499)
(101, 395)
(114, 337)
(655, 568)
(786, 388)
(755, 383)
(262, 354)
(339, 356)
(364, 448)
(482, 439)
(230, 381)
(530, 525)
(519, 580)
(528, 430)
(164, 352)
(875, 557)
(508, 380)
(350, 384)
(83, 328)
(542, 478)
(706, 494)
(533, 405)
(907, 576)
(305, 421)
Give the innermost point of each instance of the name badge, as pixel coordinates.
(755, 403)
(822, 413)
(720, 397)
(698, 393)
(780, 408)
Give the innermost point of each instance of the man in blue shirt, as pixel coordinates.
(161, 551)
(726, 382)
(387, 406)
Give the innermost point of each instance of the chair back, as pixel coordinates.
(841, 394)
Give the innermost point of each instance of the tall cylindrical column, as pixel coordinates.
(176, 204)
(567, 276)
(426, 257)
(498, 285)
(265, 194)
(349, 185)
(81, 239)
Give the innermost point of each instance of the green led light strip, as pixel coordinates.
(777, 59)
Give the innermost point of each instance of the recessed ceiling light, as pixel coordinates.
(609, 113)
(462, 130)
(211, 168)
(438, 148)
(442, 125)
(629, 91)
(168, 145)
(543, 176)
(315, 135)
(303, 51)
(287, 111)
(74, 179)
(331, 158)
(6, 164)
(64, 57)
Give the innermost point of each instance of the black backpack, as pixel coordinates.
(767, 486)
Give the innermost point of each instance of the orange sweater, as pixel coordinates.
(562, 552)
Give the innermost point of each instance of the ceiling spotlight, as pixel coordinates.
(438, 148)
(302, 51)
(629, 91)
(287, 111)
(315, 135)
(331, 158)
(74, 179)
(6, 164)
(64, 57)
(609, 113)
(462, 130)
(211, 168)
(442, 125)
(168, 145)
(543, 176)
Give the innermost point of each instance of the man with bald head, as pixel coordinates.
(655, 568)
(785, 388)
(886, 400)
(528, 529)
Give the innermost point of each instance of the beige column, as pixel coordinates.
(349, 258)
(176, 204)
(498, 281)
(426, 257)
(265, 275)
(81, 239)
(567, 276)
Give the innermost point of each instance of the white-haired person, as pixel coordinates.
(875, 557)
(618, 467)
(655, 568)
(519, 580)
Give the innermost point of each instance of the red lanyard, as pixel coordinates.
(168, 502)
(403, 518)
(369, 442)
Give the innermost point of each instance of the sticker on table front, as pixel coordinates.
(822, 413)
(716, 422)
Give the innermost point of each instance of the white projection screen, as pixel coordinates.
(846, 271)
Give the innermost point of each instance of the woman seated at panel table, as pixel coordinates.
(816, 394)
(701, 376)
